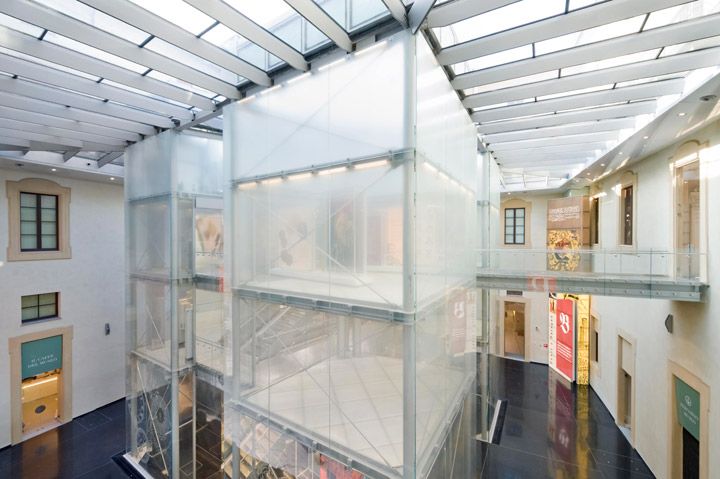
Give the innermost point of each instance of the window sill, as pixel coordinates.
(37, 255)
(39, 321)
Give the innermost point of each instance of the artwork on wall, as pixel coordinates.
(568, 231)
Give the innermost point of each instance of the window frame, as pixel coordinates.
(39, 221)
(624, 204)
(55, 315)
(514, 226)
(595, 220)
(42, 187)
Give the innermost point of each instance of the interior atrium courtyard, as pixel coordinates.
(359, 239)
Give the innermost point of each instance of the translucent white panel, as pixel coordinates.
(611, 62)
(505, 56)
(575, 4)
(651, 79)
(98, 19)
(511, 16)
(347, 110)
(681, 13)
(354, 13)
(690, 46)
(230, 41)
(178, 54)
(575, 92)
(513, 82)
(144, 93)
(19, 25)
(179, 13)
(180, 83)
(591, 35)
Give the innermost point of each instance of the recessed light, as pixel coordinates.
(645, 137)
(682, 113)
(602, 164)
(53, 169)
(112, 178)
(620, 153)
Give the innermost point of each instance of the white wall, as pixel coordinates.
(694, 341)
(91, 287)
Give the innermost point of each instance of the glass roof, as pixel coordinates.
(179, 13)
(40, 61)
(144, 93)
(512, 82)
(360, 12)
(93, 52)
(239, 46)
(20, 26)
(499, 58)
(611, 62)
(180, 83)
(683, 12)
(591, 35)
(182, 56)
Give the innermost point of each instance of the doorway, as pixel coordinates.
(514, 330)
(625, 396)
(688, 450)
(690, 456)
(687, 224)
(40, 406)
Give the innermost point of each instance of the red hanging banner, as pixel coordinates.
(565, 338)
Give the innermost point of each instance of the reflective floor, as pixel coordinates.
(550, 431)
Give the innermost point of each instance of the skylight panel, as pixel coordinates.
(642, 81)
(179, 13)
(681, 13)
(591, 35)
(575, 4)
(359, 13)
(575, 92)
(45, 63)
(611, 62)
(504, 104)
(499, 58)
(179, 55)
(238, 45)
(97, 19)
(500, 19)
(690, 46)
(180, 83)
(20, 26)
(93, 52)
(512, 82)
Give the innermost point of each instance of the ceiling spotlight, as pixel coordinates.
(645, 137)
(602, 164)
(682, 113)
(112, 178)
(620, 153)
(53, 169)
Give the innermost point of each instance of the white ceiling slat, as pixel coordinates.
(250, 30)
(140, 18)
(583, 100)
(592, 16)
(397, 10)
(314, 14)
(53, 121)
(59, 132)
(635, 71)
(458, 10)
(590, 114)
(419, 11)
(41, 73)
(55, 140)
(563, 130)
(82, 32)
(62, 97)
(588, 148)
(72, 114)
(29, 45)
(524, 161)
(554, 141)
(16, 142)
(687, 31)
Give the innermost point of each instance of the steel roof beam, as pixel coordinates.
(55, 21)
(677, 33)
(583, 100)
(59, 132)
(575, 21)
(590, 114)
(459, 10)
(397, 10)
(53, 121)
(65, 143)
(250, 30)
(554, 141)
(108, 158)
(314, 14)
(145, 20)
(419, 11)
(52, 76)
(48, 51)
(562, 131)
(69, 154)
(67, 113)
(635, 71)
(21, 87)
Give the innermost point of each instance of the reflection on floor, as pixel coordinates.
(550, 431)
(553, 431)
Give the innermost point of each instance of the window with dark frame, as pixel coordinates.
(595, 213)
(627, 215)
(39, 306)
(514, 225)
(594, 339)
(38, 222)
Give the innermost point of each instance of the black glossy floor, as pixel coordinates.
(554, 431)
(550, 431)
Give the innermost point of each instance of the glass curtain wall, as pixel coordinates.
(166, 176)
(350, 272)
